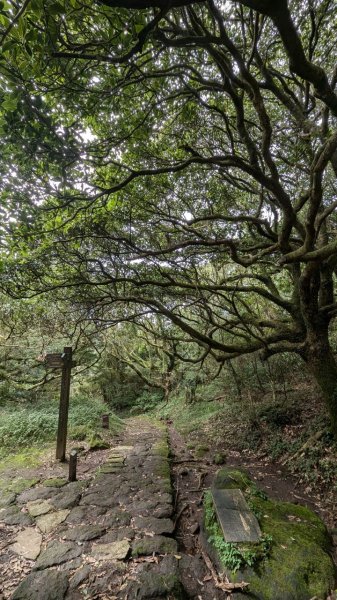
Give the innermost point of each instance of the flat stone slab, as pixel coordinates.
(66, 499)
(97, 497)
(113, 551)
(163, 511)
(238, 522)
(158, 544)
(85, 513)
(122, 449)
(111, 468)
(80, 576)
(13, 516)
(37, 493)
(48, 585)
(114, 535)
(27, 543)
(38, 507)
(151, 524)
(7, 498)
(47, 523)
(116, 458)
(116, 518)
(160, 581)
(83, 533)
(57, 553)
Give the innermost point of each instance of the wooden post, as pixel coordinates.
(72, 465)
(105, 421)
(64, 404)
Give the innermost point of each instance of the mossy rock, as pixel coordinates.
(55, 482)
(20, 484)
(163, 470)
(232, 479)
(161, 448)
(157, 544)
(96, 442)
(298, 565)
(156, 585)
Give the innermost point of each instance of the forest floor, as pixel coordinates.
(193, 476)
(123, 503)
(285, 447)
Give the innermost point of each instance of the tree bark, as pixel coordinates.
(322, 365)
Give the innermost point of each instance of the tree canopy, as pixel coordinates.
(177, 159)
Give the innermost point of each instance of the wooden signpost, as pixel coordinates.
(72, 465)
(105, 421)
(62, 361)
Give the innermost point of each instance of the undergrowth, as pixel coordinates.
(188, 417)
(281, 429)
(36, 424)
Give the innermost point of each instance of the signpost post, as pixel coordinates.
(62, 361)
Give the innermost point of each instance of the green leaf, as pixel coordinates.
(56, 9)
(4, 21)
(10, 103)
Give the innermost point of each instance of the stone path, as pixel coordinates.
(109, 537)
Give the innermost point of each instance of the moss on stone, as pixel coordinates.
(18, 485)
(232, 479)
(161, 448)
(163, 470)
(165, 484)
(29, 457)
(298, 566)
(55, 482)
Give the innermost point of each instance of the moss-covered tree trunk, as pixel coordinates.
(316, 294)
(322, 365)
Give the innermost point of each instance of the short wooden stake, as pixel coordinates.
(105, 421)
(64, 404)
(72, 465)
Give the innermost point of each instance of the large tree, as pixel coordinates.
(178, 158)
